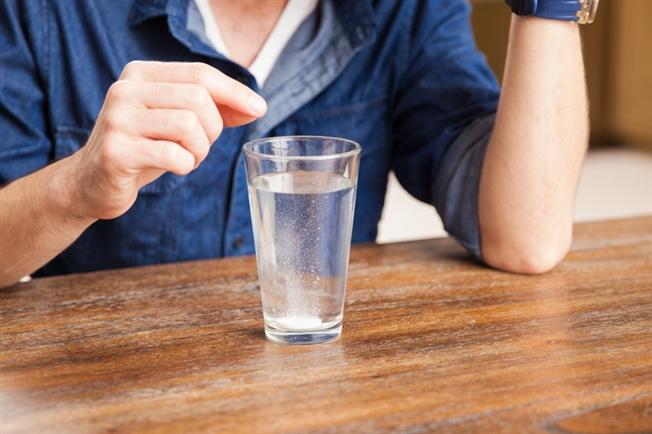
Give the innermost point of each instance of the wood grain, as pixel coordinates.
(432, 341)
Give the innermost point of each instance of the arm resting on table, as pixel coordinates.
(534, 158)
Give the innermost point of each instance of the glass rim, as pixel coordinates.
(248, 151)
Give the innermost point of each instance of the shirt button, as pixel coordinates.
(360, 33)
(237, 242)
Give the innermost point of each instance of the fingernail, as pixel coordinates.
(257, 104)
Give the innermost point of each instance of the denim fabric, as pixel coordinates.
(402, 78)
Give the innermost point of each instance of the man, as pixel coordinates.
(141, 107)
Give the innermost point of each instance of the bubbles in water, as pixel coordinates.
(302, 225)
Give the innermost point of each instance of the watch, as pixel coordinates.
(581, 11)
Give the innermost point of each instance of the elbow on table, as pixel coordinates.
(8, 278)
(530, 254)
(6, 281)
(4, 284)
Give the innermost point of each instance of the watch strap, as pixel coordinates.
(565, 10)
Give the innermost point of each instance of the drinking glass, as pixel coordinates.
(302, 197)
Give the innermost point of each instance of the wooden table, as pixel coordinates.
(432, 341)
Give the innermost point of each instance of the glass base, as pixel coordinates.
(307, 337)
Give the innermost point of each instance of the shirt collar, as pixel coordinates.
(357, 19)
(143, 10)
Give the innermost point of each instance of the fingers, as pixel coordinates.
(160, 155)
(233, 118)
(224, 90)
(178, 126)
(164, 116)
(190, 97)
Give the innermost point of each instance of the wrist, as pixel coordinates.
(65, 192)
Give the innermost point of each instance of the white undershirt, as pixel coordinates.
(294, 13)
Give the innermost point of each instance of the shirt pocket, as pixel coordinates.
(69, 140)
(365, 122)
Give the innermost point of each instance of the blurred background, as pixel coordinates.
(617, 176)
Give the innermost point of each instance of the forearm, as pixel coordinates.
(37, 221)
(159, 117)
(534, 157)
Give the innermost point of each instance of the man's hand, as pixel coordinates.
(157, 117)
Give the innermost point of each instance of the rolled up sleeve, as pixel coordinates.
(455, 190)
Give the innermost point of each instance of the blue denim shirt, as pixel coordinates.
(402, 78)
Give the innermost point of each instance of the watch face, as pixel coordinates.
(588, 9)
